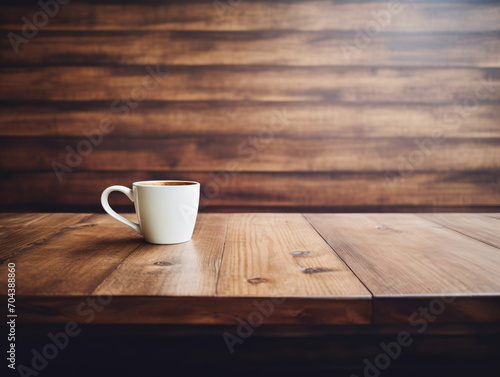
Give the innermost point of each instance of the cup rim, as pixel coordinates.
(142, 183)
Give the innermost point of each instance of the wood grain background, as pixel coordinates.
(271, 105)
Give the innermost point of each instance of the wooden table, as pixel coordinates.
(300, 271)
(329, 268)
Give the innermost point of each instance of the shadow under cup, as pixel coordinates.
(167, 210)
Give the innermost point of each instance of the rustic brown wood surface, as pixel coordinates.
(433, 16)
(426, 265)
(267, 83)
(313, 269)
(290, 94)
(304, 48)
(480, 227)
(276, 154)
(322, 191)
(213, 118)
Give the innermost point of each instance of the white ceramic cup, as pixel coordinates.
(166, 210)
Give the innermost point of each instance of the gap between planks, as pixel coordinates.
(372, 300)
(437, 219)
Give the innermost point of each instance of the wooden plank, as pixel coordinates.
(187, 269)
(281, 255)
(272, 190)
(480, 227)
(267, 152)
(193, 310)
(313, 48)
(72, 261)
(16, 239)
(438, 309)
(306, 119)
(249, 83)
(405, 256)
(261, 15)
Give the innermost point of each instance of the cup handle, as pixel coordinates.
(112, 213)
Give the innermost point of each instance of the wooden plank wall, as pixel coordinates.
(271, 105)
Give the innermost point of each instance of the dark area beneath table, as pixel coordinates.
(152, 350)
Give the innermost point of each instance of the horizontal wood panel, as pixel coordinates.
(269, 47)
(261, 15)
(308, 119)
(249, 83)
(273, 190)
(196, 310)
(258, 153)
(235, 73)
(463, 309)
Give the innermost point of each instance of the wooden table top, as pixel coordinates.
(292, 268)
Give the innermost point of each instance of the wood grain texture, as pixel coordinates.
(100, 259)
(187, 269)
(267, 47)
(19, 233)
(356, 107)
(422, 312)
(447, 274)
(349, 269)
(259, 153)
(249, 83)
(457, 16)
(204, 268)
(272, 190)
(71, 261)
(408, 255)
(214, 119)
(477, 226)
(21, 220)
(196, 310)
(281, 255)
